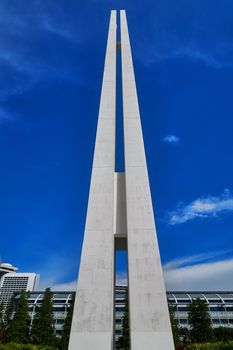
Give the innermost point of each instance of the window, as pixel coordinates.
(215, 321)
(182, 308)
(60, 321)
(224, 321)
(183, 321)
(216, 308)
(58, 309)
(120, 308)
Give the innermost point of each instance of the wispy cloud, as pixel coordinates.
(199, 272)
(195, 54)
(173, 139)
(55, 277)
(192, 53)
(23, 66)
(52, 26)
(6, 116)
(121, 278)
(193, 259)
(205, 271)
(204, 207)
(69, 286)
(194, 44)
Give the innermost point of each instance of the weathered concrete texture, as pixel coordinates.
(149, 318)
(92, 325)
(120, 220)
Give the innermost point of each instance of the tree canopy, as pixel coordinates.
(200, 322)
(42, 332)
(18, 329)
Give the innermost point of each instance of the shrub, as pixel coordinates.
(15, 346)
(212, 346)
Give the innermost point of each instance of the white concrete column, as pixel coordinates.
(92, 325)
(149, 318)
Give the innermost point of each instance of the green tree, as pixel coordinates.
(2, 324)
(67, 326)
(126, 332)
(18, 330)
(174, 325)
(5, 320)
(200, 322)
(42, 332)
(8, 314)
(184, 335)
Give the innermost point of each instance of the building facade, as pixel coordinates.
(220, 305)
(61, 303)
(12, 281)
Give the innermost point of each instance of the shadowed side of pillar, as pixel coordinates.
(150, 327)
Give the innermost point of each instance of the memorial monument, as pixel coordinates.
(120, 216)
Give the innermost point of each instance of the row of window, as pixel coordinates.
(211, 308)
(214, 321)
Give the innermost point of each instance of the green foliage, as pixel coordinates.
(2, 325)
(184, 335)
(42, 332)
(5, 319)
(126, 332)
(15, 346)
(67, 325)
(200, 322)
(8, 314)
(174, 325)
(211, 346)
(18, 330)
(223, 334)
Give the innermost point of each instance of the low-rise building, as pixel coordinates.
(220, 305)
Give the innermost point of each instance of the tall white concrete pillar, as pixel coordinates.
(92, 325)
(148, 311)
(120, 216)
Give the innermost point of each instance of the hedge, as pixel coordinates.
(211, 346)
(14, 346)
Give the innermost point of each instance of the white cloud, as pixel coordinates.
(121, 278)
(69, 286)
(204, 207)
(171, 139)
(51, 283)
(205, 275)
(206, 271)
(192, 259)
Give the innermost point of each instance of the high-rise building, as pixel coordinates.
(120, 216)
(12, 282)
(6, 268)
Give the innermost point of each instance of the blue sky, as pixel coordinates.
(52, 56)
